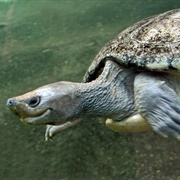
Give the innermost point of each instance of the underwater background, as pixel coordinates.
(47, 41)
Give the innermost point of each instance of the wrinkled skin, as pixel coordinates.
(120, 94)
(134, 82)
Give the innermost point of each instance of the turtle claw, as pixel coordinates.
(48, 134)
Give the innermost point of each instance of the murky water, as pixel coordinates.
(47, 41)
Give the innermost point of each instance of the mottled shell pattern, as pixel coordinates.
(151, 44)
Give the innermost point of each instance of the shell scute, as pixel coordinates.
(150, 44)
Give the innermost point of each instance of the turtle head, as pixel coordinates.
(50, 104)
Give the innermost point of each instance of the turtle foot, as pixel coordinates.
(52, 130)
(159, 104)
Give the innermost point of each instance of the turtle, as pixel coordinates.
(133, 82)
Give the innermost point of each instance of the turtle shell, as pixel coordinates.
(151, 44)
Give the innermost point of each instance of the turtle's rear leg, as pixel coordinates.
(135, 123)
(158, 104)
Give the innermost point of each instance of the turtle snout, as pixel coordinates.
(11, 103)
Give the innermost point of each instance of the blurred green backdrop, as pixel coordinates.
(47, 41)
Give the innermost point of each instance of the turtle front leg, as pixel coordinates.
(52, 130)
(158, 104)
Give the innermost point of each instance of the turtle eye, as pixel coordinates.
(33, 102)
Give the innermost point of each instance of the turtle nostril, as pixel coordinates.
(11, 103)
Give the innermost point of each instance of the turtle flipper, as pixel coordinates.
(158, 104)
(133, 124)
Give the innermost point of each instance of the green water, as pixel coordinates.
(47, 41)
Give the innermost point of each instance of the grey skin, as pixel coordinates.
(135, 76)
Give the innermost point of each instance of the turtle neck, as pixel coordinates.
(108, 96)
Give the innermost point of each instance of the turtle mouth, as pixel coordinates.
(29, 115)
(37, 120)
